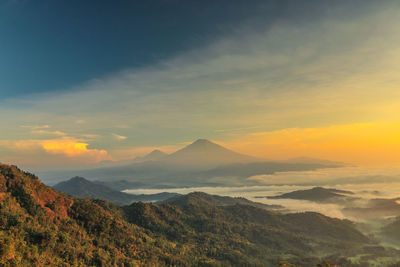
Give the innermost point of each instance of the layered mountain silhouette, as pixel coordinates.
(201, 163)
(40, 226)
(200, 153)
(82, 188)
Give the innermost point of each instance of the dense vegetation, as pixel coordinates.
(43, 227)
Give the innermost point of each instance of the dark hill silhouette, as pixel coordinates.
(82, 188)
(200, 198)
(317, 194)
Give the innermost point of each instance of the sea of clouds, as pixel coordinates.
(365, 183)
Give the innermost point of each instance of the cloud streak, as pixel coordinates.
(119, 137)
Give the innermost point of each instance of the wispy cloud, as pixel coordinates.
(45, 132)
(119, 137)
(36, 127)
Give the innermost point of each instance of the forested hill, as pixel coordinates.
(43, 227)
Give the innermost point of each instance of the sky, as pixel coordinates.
(83, 82)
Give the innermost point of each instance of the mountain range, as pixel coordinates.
(201, 163)
(40, 226)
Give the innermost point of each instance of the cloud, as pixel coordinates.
(72, 148)
(53, 153)
(332, 176)
(36, 127)
(119, 137)
(90, 136)
(45, 132)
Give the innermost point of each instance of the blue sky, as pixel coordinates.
(85, 81)
(53, 45)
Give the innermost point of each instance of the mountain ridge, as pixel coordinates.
(82, 188)
(201, 163)
(40, 226)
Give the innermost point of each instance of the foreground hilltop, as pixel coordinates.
(43, 227)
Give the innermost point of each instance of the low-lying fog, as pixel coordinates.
(365, 183)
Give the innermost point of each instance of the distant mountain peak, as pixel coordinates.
(156, 152)
(78, 179)
(154, 155)
(206, 153)
(202, 142)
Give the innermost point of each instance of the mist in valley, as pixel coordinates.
(372, 204)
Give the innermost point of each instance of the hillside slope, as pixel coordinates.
(43, 227)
